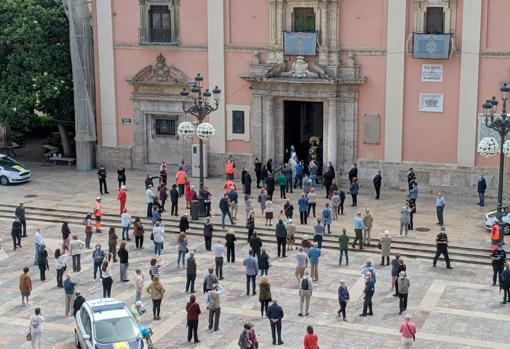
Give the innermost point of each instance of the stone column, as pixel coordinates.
(257, 132)
(323, 12)
(269, 133)
(85, 156)
(332, 131)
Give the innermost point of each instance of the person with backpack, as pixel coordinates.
(343, 298)
(368, 268)
(505, 283)
(209, 280)
(305, 293)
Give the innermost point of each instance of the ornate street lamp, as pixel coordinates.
(489, 146)
(202, 105)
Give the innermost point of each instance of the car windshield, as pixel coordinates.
(121, 329)
(8, 161)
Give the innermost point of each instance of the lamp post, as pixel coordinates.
(489, 146)
(200, 108)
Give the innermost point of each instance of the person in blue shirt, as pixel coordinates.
(275, 315)
(358, 229)
(298, 178)
(413, 192)
(482, 186)
(252, 269)
(303, 208)
(314, 254)
(440, 204)
(225, 210)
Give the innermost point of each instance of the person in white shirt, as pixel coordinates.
(219, 253)
(158, 235)
(75, 250)
(38, 240)
(125, 220)
(107, 279)
(139, 280)
(60, 265)
(36, 328)
(305, 293)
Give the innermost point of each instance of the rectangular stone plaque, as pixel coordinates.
(371, 129)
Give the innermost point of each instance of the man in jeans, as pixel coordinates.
(305, 293)
(440, 204)
(358, 229)
(225, 210)
(314, 254)
(275, 315)
(69, 289)
(214, 306)
(219, 254)
(252, 270)
(343, 242)
(301, 263)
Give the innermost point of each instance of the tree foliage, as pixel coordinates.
(35, 63)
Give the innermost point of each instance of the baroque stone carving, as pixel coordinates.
(300, 69)
(161, 72)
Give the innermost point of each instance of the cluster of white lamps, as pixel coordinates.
(204, 130)
(489, 147)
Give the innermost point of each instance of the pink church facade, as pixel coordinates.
(390, 84)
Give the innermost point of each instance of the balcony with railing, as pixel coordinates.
(432, 46)
(156, 36)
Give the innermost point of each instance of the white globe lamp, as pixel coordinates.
(205, 131)
(185, 130)
(506, 148)
(488, 147)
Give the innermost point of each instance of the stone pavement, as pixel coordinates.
(453, 308)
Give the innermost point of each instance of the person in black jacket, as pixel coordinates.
(230, 237)
(288, 208)
(42, 262)
(247, 183)
(481, 187)
(77, 303)
(174, 199)
(208, 233)
(256, 244)
(498, 258)
(121, 176)
(275, 315)
(270, 186)
(342, 200)
(16, 233)
(258, 171)
(191, 273)
(377, 184)
(353, 172)
(101, 176)
(20, 213)
(328, 177)
(281, 237)
(263, 262)
(184, 223)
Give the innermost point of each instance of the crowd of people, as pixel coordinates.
(306, 252)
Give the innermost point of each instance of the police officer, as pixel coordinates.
(498, 258)
(101, 176)
(442, 248)
(16, 233)
(20, 213)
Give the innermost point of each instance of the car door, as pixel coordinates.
(85, 327)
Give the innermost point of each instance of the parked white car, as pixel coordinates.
(12, 171)
(490, 218)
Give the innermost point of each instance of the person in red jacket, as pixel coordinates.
(122, 197)
(193, 310)
(230, 168)
(311, 340)
(495, 235)
(188, 195)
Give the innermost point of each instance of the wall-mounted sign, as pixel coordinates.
(431, 102)
(126, 121)
(432, 72)
(371, 129)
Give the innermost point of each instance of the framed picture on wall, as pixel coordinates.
(431, 102)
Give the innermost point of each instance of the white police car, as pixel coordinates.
(490, 218)
(106, 323)
(12, 171)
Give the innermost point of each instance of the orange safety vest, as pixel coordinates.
(98, 212)
(496, 232)
(181, 177)
(230, 167)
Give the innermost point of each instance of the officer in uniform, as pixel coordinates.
(442, 248)
(101, 176)
(498, 258)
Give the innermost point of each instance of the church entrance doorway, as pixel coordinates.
(302, 120)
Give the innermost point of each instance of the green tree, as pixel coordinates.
(35, 65)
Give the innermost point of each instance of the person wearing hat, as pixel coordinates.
(122, 197)
(442, 248)
(343, 298)
(174, 199)
(498, 258)
(403, 290)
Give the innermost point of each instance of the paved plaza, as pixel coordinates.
(452, 308)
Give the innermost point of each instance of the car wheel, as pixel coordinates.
(76, 341)
(4, 180)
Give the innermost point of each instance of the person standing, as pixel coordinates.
(403, 290)
(408, 332)
(122, 197)
(440, 205)
(60, 266)
(219, 253)
(442, 248)
(377, 184)
(36, 328)
(328, 180)
(301, 263)
(385, 247)
(413, 194)
(225, 210)
(112, 243)
(326, 217)
(208, 233)
(262, 198)
(264, 294)
(353, 172)
(163, 195)
(209, 280)
(181, 179)
(270, 184)
(230, 168)
(42, 262)
(138, 231)
(318, 233)
(405, 218)
(107, 279)
(291, 234)
(149, 199)
(121, 177)
(343, 298)
(69, 290)
(298, 178)
(281, 238)
(282, 182)
(368, 294)
(214, 307)
(368, 221)
(38, 241)
(305, 293)
(303, 208)
(359, 226)
(16, 233)
(20, 214)
(98, 257)
(313, 255)
(25, 286)
(78, 302)
(311, 341)
(101, 176)
(193, 313)
(182, 249)
(343, 242)
(498, 258)
(412, 210)
(481, 187)
(275, 315)
(66, 234)
(247, 183)
(411, 178)
(307, 184)
(288, 209)
(400, 268)
(75, 251)
(158, 234)
(394, 271)
(313, 169)
(157, 292)
(252, 269)
(354, 188)
(231, 239)
(123, 262)
(287, 171)
(244, 338)
(258, 171)
(504, 283)
(250, 222)
(174, 200)
(335, 202)
(264, 264)
(98, 213)
(125, 222)
(312, 202)
(191, 272)
(255, 244)
(139, 281)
